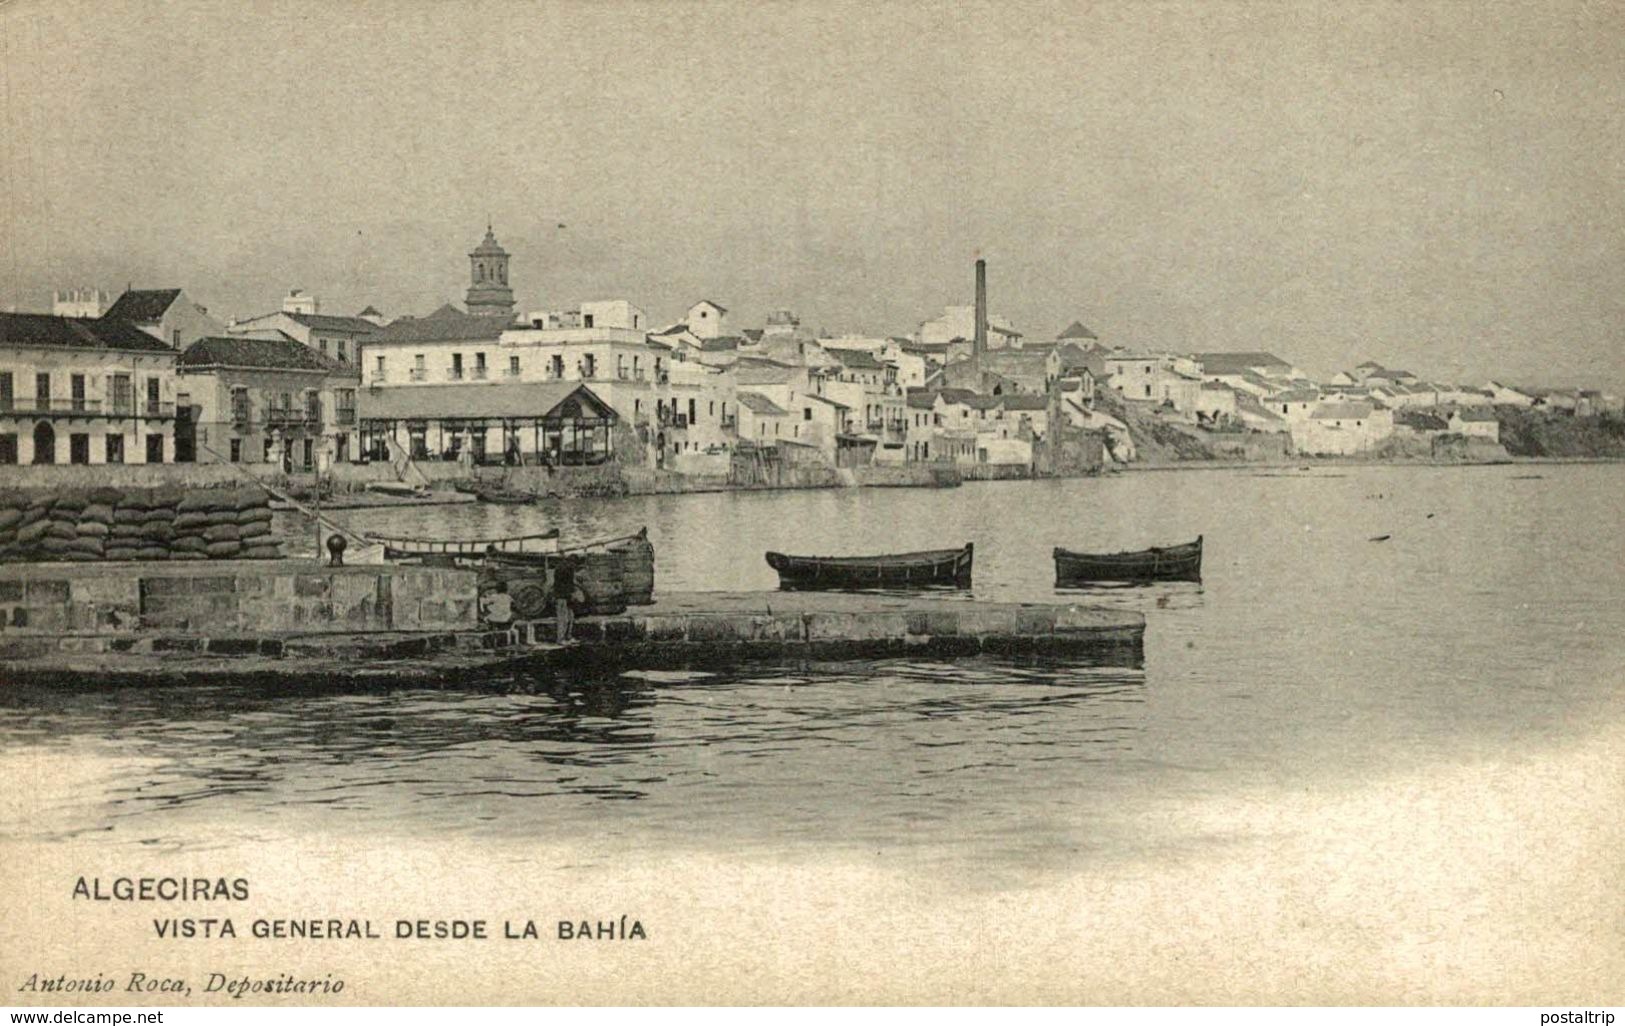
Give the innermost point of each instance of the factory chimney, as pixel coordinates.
(981, 309)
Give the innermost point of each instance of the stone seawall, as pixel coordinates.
(682, 630)
(230, 597)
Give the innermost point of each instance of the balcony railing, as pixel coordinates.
(22, 404)
(344, 416)
(454, 374)
(636, 374)
(729, 422)
(419, 374)
(478, 374)
(378, 378)
(278, 418)
(157, 409)
(510, 372)
(679, 420)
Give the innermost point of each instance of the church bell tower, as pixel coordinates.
(488, 291)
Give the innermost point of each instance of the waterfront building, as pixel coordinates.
(169, 315)
(1342, 429)
(77, 390)
(761, 420)
(1475, 422)
(1216, 404)
(1157, 378)
(559, 422)
(267, 400)
(1293, 404)
(1239, 364)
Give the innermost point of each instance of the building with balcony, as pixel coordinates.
(75, 390)
(272, 400)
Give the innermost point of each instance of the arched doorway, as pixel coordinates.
(44, 443)
(660, 450)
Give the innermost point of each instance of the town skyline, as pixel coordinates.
(1413, 187)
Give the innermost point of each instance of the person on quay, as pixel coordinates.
(564, 597)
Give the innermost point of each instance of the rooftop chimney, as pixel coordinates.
(981, 308)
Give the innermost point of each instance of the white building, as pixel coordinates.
(81, 302)
(166, 314)
(1342, 429)
(959, 322)
(705, 319)
(1475, 422)
(84, 391)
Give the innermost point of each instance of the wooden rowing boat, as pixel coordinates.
(407, 548)
(1173, 563)
(937, 568)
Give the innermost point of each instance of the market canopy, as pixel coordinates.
(553, 402)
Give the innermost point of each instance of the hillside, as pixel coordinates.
(1539, 433)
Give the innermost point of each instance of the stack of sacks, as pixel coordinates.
(137, 524)
(227, 523)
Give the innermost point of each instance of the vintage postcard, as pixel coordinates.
(561, 503)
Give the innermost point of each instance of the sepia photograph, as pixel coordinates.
(632, 503)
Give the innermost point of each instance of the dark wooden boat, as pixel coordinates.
(1174, 563)
(634, 552)
(937, 568)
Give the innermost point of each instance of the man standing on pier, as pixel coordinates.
(564, 586)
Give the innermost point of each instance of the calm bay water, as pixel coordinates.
(1312, 657)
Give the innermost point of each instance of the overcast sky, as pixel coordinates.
(1432, 186)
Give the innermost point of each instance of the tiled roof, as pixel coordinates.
(827, 399)
(142, 305)
(921, 398)
(756, 402)
(1024, 402)
(1296, 395)
(1238, 363)
(1342, 411)
(719, 306)
(1477, 413)
(1076, 330)
(326, 322)
(447, 324)
(855, 359)
(23, 329)
(259, 353)
(759, 372)
(456, 402)
(721, 344)
(753, 334)
(370, 311)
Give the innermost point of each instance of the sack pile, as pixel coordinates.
(136, 524)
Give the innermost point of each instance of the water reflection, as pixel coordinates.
(532, 755)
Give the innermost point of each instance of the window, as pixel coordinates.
(590, 366)
(691, 417)
(711, 409)
(79, 448)
(44, 443)
(806, 413)
(155, 448)
(153, 393)
(456, 366)
(236, 449)
(240, 411)
(42, 391)
(77, 387)
(587, 321)
(6, 395)
(344, 404)
(479, 365)
(344, 351)
(513, 366)
(176, 335)
(555, 367)
(115, 448)
(321, 344)
(380, 367)
(8, 448)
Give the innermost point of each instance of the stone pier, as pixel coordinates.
(299, 625)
